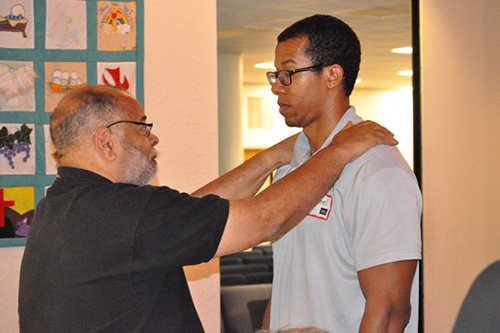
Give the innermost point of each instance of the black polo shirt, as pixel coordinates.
(108, 257)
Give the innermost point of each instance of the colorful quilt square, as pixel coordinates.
(118, 74)
(61, 78)
(17, 207)
(17, 149)
(116, 26)
(17, 86)
(66, 25)
(17, 24)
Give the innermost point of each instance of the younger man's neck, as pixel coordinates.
(320, 131)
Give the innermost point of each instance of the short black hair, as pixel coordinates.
(331, 41)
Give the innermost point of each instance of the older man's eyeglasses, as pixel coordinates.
(285, 75)
(147, 126)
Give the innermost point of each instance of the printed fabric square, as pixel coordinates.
(66, 25)
(17, 86)
(17, 24)
(118, 74)
(61, 78)
(17, 149)
(116, 26)
(17, 208)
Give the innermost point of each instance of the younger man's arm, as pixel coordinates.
(281, 206)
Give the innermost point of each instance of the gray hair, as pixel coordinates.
(80, 112)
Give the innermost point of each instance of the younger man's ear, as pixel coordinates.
(335, 75)
(105, 144)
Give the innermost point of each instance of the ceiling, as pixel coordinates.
(250, 28)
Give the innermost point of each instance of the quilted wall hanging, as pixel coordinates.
(48, 48)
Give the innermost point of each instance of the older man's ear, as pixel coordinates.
(105, 144)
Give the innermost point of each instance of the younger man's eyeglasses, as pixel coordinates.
(285, 75)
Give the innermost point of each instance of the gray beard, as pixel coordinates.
(141, 169)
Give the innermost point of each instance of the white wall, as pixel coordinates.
(392, 109)
(230, 87)
(461, 150)
(263, 138)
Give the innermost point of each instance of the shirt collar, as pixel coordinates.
(76, 173)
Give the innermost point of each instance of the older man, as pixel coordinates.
(105, 252)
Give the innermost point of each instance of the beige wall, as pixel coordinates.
(10, 263)
(181, 100)
(461, 150)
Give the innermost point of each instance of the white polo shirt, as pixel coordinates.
(370, 217)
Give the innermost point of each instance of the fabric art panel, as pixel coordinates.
(17, 147)
(47, 49)
(66, 24)
(17, 24)
(61, 78)
(116, 26)
(118, 74)
(17, 207)
(17, 86)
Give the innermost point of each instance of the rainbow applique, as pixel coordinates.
(118, 20)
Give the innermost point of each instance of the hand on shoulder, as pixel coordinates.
(354, 140)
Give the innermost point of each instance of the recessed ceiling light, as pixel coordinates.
(407, 72)
(358, 80)
(403, 50)
(407, 88)
(264, 65)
